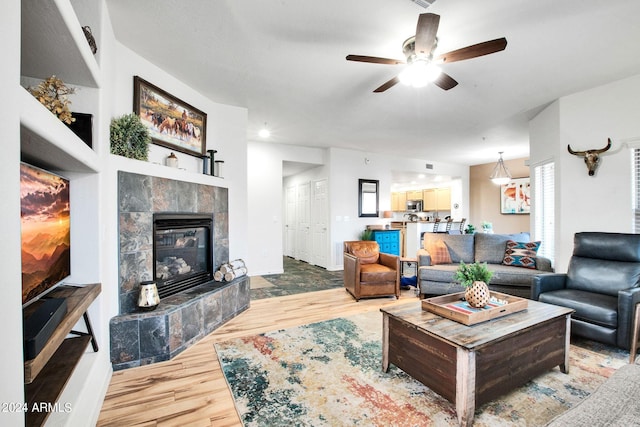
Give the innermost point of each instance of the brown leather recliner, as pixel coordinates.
(368, 272)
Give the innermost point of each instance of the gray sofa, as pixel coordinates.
(613, 404)
(481, 247)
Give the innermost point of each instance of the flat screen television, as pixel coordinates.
(44, 205)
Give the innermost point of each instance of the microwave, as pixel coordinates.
(414, 205)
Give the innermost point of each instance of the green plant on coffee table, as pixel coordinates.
(129, 137)
(52, 93)
(466, 274)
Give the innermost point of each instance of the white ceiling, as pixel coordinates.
(284, 60)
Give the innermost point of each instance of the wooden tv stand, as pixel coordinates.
(46, 375)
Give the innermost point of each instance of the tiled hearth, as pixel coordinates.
(179, 321)
(139, 338)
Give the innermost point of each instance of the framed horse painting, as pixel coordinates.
(172, 122)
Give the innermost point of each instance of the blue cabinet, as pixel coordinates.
(389, 241)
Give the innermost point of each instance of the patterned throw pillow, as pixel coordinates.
(520, 254)
(439, 252)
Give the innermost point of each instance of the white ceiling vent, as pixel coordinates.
(424, 3)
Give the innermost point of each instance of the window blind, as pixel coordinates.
(636, 190)
(544, 178)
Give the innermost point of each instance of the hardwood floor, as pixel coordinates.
(191, 390)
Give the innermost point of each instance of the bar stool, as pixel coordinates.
(462, 225)
(449, 224)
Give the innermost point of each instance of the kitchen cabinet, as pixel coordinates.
(414, 195)
(429, 202)
(443, 199)
(399, 202)
(436, 199)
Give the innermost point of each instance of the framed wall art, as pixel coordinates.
(172, 122)
(515, 196)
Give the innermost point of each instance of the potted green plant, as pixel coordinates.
(366, 234)
(129, 137)
(475, 278)
(470, 229)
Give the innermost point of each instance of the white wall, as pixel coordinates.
(226, 133)
(11, 388)
(347, 166)
(308, 176)
(94, 195)
(343, 168)
(585, 120)
(266, 214)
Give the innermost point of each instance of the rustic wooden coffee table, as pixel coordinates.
(472, 365)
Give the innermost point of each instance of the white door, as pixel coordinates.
(303, 214)
(290, 224)
(319, 215)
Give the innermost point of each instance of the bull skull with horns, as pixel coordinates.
(591, 157)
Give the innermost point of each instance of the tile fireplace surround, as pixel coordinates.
(140, 338)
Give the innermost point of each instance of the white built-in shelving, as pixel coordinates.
(53, 43)
(48, 142)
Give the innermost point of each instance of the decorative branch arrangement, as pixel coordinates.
(52, 93)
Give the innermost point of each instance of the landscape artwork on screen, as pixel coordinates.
(45, 230)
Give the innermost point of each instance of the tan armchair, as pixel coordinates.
(368, 272)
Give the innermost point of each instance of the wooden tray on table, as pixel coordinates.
(454, 307)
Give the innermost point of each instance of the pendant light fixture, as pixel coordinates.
(500, 174)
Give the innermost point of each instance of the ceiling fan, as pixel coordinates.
(422, 65)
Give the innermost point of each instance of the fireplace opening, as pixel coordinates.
(182, 251)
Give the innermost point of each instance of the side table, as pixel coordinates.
(405, 262)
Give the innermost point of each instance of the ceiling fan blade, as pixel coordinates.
(473, 51)
(391, 83)
(374, 59)
(445, 81)
(426, 32)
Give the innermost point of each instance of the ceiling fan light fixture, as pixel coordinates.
(419, 73)
(500, 174)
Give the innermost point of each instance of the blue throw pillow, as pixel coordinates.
(521, 254)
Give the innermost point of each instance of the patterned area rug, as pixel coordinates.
(329, 374)
(298, 277)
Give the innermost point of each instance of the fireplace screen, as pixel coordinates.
(182, 252)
